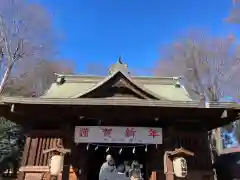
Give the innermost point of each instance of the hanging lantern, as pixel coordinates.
(56, 164)
(180, 167)
(56, 160)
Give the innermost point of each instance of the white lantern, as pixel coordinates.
(56, 164)
(180, 167)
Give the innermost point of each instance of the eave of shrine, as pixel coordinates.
(210, 116)
(116, 102)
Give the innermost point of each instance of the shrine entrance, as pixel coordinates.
(125, 144)
(121, 153)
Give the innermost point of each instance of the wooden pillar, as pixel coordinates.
(153, 175)
(168, 168)
(83, 163)
(67, 143)
(168, 146)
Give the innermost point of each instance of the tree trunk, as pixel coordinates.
(8, 56)
(5, 78)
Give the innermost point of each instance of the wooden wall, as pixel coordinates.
(34, 146)
(35, 162)
(199, 166)
(196, 142)
(33, 157)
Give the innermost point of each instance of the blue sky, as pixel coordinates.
(98, 31)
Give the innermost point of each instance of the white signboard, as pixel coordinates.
(110, 134)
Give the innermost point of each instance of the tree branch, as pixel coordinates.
(17, 54)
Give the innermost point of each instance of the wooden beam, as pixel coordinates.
(39, 151)
(181, 151)
(33, 151)
(25, 156)
(57, 149)
(43, 133)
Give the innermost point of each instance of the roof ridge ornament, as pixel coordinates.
(60, 79)
(176, 80)
(120, 60)
(119, 66)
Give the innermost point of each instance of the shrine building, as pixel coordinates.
(129, 117)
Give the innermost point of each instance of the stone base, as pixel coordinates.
(42, 173)
(192, 175)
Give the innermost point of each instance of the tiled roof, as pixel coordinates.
(74, 86)
(79, 84)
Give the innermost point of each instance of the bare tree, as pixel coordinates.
(25, 37)
(208, 65)
(26, 41)
(38, 80)
(234, 15)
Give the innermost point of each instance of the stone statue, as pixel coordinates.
(108, 169)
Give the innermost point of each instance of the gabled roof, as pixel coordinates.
(121, 79)
(164, 87)
(77, 86)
